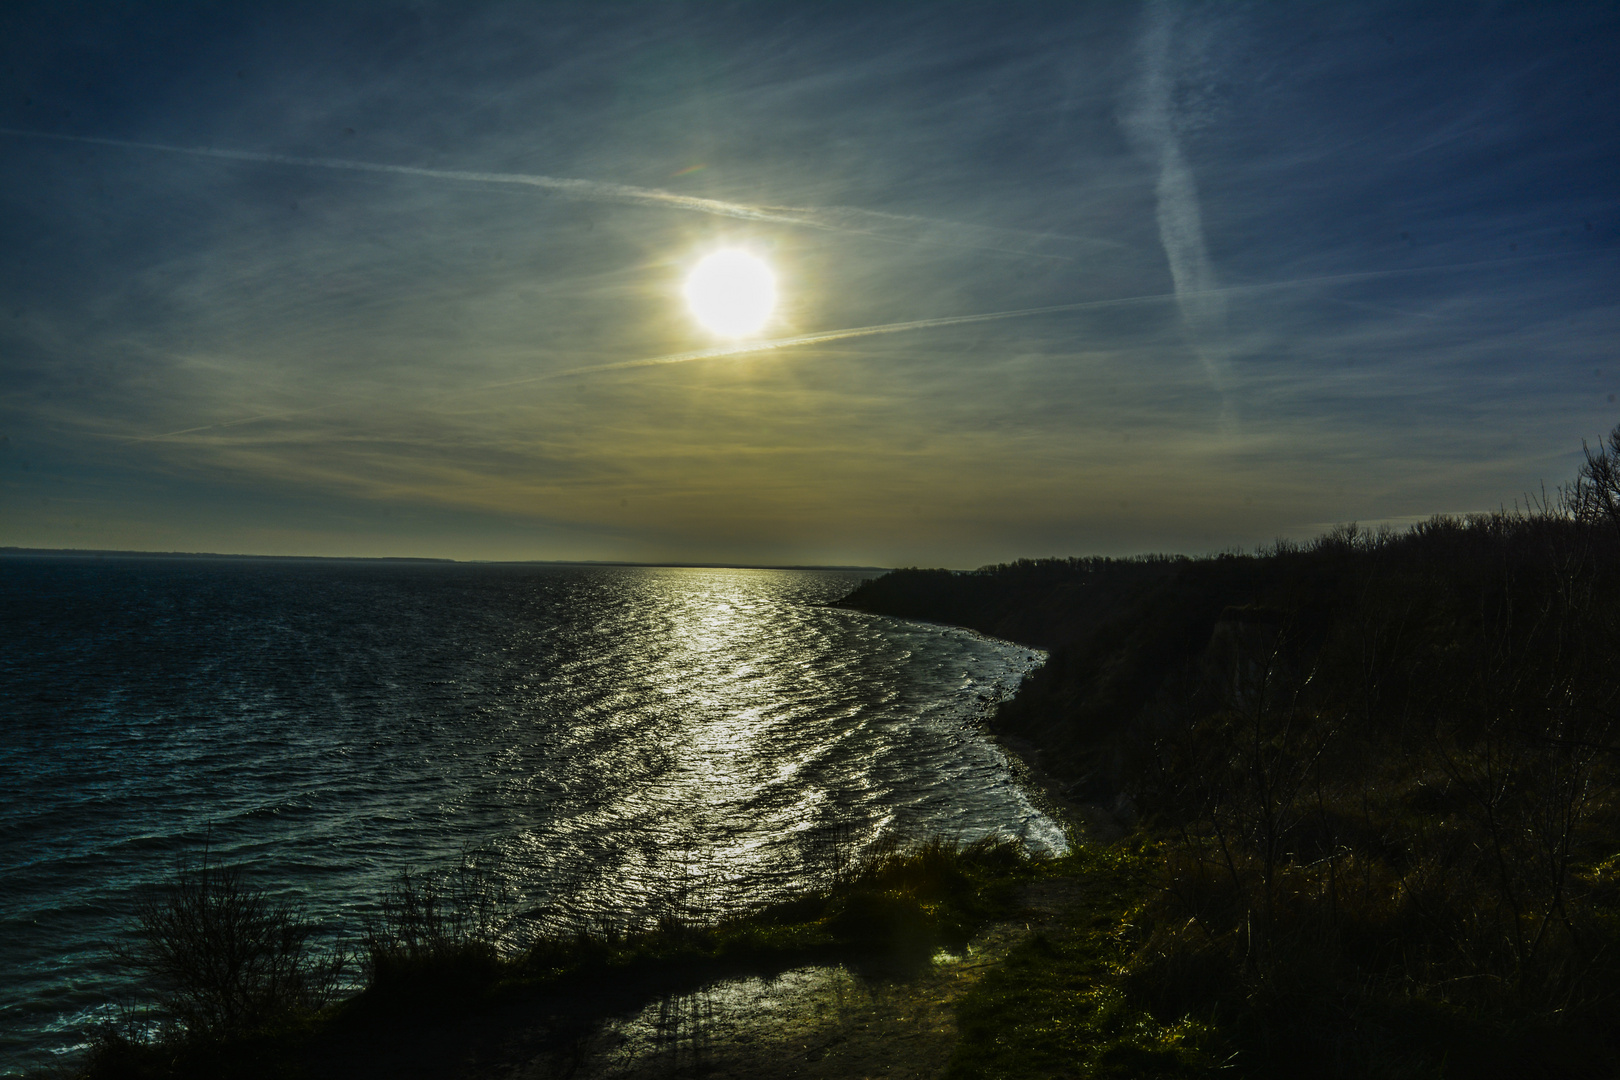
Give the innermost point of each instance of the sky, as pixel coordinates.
(1080, 279)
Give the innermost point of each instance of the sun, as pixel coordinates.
(731, 293)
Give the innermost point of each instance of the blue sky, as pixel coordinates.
(334, 279)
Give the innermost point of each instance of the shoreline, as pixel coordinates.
(1030, 800)
(1092, 821)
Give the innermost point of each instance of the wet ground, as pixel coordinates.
(812, 1022)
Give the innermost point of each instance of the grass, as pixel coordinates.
(434, 952)
(899, 902)
(1061, 1004)
(1124, 982)
(1128, 984)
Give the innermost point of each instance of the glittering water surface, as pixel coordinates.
(616, 742)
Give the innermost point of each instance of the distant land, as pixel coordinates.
(91, 553)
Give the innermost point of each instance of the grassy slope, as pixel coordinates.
(1381, 773)
(1058, 1005)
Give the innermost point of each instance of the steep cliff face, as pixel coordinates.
(1126, 640)
(1384, 631)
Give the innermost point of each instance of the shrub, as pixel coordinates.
(224, 959)
(442, 930)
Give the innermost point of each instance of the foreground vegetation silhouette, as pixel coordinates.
(243, 996)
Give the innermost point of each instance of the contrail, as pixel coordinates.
(844, 217)
(239, 420)
(737, 349)
(1180, 297)
(850, 333)
(593, 190)
(1181, 228)
(585, 190)
(824, 336)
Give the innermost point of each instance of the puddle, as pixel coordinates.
(814, 1021)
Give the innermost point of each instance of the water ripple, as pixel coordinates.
(618, 742)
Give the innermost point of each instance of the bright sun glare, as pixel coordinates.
(731, 293)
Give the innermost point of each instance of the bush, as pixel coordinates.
(224, 959)
(441, 932)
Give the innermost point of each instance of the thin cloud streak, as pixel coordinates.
(584, 190)
(824, 336)
(739, 349)
(851, 333)
(237, 422)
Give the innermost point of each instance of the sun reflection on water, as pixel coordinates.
(778, 726)
(615, 744)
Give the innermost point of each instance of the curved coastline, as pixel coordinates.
(940, 727)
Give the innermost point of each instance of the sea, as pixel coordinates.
(606, 744)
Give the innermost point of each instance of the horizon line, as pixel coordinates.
(35, 552)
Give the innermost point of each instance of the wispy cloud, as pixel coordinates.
(840, 219)
(1153, 119)
(825, 337)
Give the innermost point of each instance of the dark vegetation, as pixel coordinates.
(1378, 771)
(1058, 1005)
(225, 959)
(237, 992)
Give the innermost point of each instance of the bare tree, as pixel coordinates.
(1595, 496)
(224, 958)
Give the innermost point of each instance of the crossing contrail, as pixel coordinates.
(1179, 296)
(840, 219)
(736, 349)
(824, 336)
(850, 333)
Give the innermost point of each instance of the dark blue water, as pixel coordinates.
(611, 740)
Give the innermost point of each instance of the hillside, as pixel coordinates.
(1379, 769)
